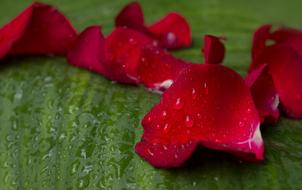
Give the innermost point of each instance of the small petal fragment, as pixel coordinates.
(213, 49)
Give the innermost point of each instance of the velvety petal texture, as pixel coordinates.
(40, 29)
(208, 105)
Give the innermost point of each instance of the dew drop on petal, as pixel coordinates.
(189, 121)
(166, 128)
(164, 114)
(150, 152)
(178, 104)
(206, 88)
(194, 94)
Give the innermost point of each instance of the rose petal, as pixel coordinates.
(213, 49)
(172, 31)
(124, 48)
(264, 94)
(285, 67)
(260, 37)
(89, 52)
(290, 37)
(208, 105)
(39, 29)
(131, 16)
(158, 69)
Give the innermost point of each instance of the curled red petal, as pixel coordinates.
(213, 49)
(158, 69)
(39, 29)
(89, 51)
(285, 67)
(124, 47)
(208, 105)
(131, 16)
(290, 37)
(264, 94)
(172, 31)
(260, 37)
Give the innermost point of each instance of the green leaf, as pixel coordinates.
(66, 128)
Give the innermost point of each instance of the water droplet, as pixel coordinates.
(241, 123)
(148, 119)
(199, 115)
(164, 114)
(132, 41)
(194, 94)
(165, 147)
(171, 38)
(206, 88)
(166, 128)
(143, 59)
(18, 95)
(189, 121)
(150, 152)
(175, 156)
(178, 104)
(155, 43)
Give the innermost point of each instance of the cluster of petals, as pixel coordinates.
(203, 105)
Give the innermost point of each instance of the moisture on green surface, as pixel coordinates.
(65, 128)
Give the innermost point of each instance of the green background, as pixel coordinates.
(66, 128)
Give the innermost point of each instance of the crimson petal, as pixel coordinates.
(285, 67)
(124, 47)
(264, 94)
(172, 31)
(131, 16)
(260, 37)
(39, 29)
(208, 105)
(290, 37)
(213, 49)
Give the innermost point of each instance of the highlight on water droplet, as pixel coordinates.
(194, 94)
(178, 104)
(164, 114)
(166, 128)
(189, 121)
(206, 88)
(150, 152)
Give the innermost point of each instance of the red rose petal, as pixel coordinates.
(89, 52)
(290, 37)
(124, 48)
(260, 37)
(131, 16)
(264, 94)
(208, 105)
(213, 49)
(172, 31)
(158, 69)
(285, 66)
(39, 29)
